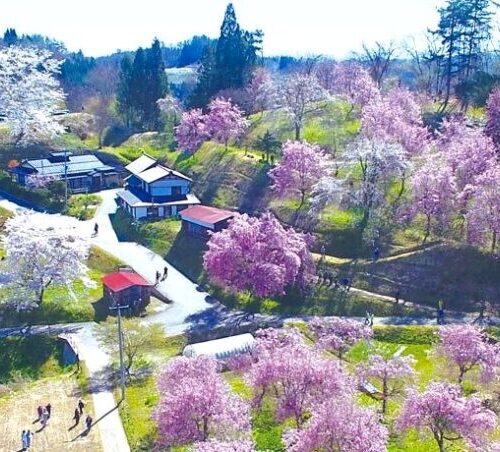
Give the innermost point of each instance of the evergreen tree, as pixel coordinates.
(464, 29)
(232, 64)
(10, 37)
(124, 92)
(142, 82)
(268, 143)
(75, 68)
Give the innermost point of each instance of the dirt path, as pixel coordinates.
(18, 413)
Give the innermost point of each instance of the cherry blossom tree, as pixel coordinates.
(262, 91)
(302, 166)
(339, 425)
(38, 181)
(380, 162)
(44, 250)
(30, 93)
(297, 376)
(447, 415)
(397, 118)
(390, 372)
(493, 117)
(483, 213)
(352, 82)
(466, 347)
(339, 334)
(433, 192)
(225, 446)
(468, 151)
(225, 121)
(170, 106)
(301, 94)
(192, 131)
(328, 190)
(258, 255)
(197, 405)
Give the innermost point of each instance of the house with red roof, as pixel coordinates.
(199, 220)
(126, 287)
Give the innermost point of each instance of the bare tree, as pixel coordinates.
(379, 59)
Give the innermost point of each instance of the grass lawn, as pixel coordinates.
(141, 396)
(83, 207)
(32, 374)
(78, 302)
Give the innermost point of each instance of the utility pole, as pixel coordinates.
(119, 307)
(66, 180)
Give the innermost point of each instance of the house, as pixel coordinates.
(221, 348)
(127, 288)
(154, 191)
(84, 172)
(198, 220)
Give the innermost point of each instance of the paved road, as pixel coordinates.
(186, 297)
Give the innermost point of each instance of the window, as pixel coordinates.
(176, 190)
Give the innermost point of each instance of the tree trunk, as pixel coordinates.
(384, 397)
(494, 242)
(40, 296)
(461, 376)
(297, 131)
(427, 229)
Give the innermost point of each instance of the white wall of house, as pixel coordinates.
(140, 212)
(163, 187)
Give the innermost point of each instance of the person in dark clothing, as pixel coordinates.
(96, 229)
(76, 416)
(81, 405)
(88, 422)
(397, 295)
(165, 273)
(39, 411)
(49, 409)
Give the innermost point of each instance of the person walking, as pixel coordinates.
(397, 295)
(76, 416)
(88, 422)
(29, 438)
(40, 412)
(372, 316)
(81, 405)
(45, 417)
(165, 273)
(96, 229)
(49, 409)
(24, 441)
(158, 276)
(367, 318)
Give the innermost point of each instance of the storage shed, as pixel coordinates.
(223, 348)
(198, 220)
(125, 287)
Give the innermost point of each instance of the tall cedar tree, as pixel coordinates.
(464, 29)
(232, 63)
(142, 82)
(10, 37)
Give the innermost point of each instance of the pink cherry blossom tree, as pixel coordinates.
(468, 151)
(391, 373)
(483, 213)
(225, 446)
(339, 425)
(466, 347)
(397, 118)
(43, 250)
(260, 256)
(352, 82)
(493, 117)
(338, 334)
(301, 167)
(297, 377)
(443, 412)
(301, 95)
(192, 131)
(225, 121)
(196, 404)
(434, 192)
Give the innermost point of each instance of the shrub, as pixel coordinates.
(406, 334)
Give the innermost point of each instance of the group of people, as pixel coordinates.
(44, 413)
(160, 276)
(369, 318)
(328, 278)
(79, 413)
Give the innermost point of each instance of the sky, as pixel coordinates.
(291, 27)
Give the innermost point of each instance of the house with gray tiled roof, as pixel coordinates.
(84, 172)
(153, 190)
